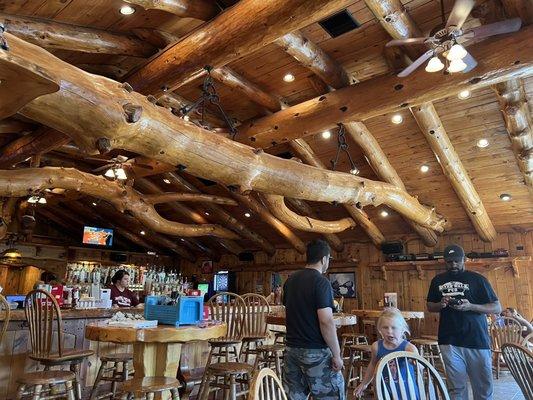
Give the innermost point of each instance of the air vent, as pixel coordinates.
(339, 24)
(286, 155)
(207, 182)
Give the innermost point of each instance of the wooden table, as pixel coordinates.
(157, 350)
(418, 316)
(340, 319)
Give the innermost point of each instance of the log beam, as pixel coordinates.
(239, 30)
(39, 142)
(57, 35)
(257, 208)
(11, 125)
(304, 151)
(20, 183)
(130, 122)
(222, 216)
(384, 170)
(504, 57)
(314, 58)
(199, 9)
(514, 106)
(276, 205)
(192, 197)
(7, 210)
(431, 126)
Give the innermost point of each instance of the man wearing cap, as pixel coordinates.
(463, 298)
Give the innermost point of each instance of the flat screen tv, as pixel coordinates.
(97, 236)
(203, 288)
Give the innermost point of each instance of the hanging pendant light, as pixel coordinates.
(456, 66)
(434, 64)
(456, 52)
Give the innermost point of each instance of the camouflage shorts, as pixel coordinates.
(308, 371)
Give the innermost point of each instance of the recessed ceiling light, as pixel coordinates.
(424, 168)
(397, 119)
(384, 213)
(288, 77)
(481, 143)
(354, 171)
(142, 232)
(326, 134)
(167, 181)
(464, 94)
(505, 197)
(206, 213)
(247, 214)
(127, 10)
(94, 204)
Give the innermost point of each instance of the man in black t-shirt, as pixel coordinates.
(463, 298)
(312, 357)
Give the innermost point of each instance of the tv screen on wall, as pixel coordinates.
(97, 236)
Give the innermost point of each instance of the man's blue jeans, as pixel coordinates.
(463, 363)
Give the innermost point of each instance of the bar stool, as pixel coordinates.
(114, 368)
(147, 387)
(33, 384)
(270, 356)
(279, 336)
(255, 327)
(351, 338)
(359, 357)
(430, 350)
(231, 374)
(42, 314)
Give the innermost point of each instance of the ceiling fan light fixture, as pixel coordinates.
(42, 200)
(121, 174)
(456, 52)
(434, 64)
(456, 66)
(33, 199)
(110, 173)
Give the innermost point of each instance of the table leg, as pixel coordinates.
(156, 359)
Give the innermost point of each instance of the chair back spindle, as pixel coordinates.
(257, 309)
(404, 375)
(520, 363)
(5, 313)
(266, 386)
(229, 308)
(42, 314)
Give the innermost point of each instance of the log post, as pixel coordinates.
(58, 35)
(431, 126)
(237, 31)
(515, 110)
(199, 9)
(384, 170)
(257, 208)
(303, 208)
(304, 151)
(224, 217)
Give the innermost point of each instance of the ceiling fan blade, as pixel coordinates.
(460, 12)
(497, 28)
(417, 63)
(103, 168)
(470, 62)
(402, 42)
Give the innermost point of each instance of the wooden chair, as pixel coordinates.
(270, 356)
(266, 386)
(413, 377)
(6, 311)
(255, 326)
(504, 330)
(430, 350)
(44, 321)
(226, 376)
(520, 363)
(528, 342)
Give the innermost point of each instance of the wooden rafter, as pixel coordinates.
(236, 32)
(515, 110)
(131, 122)
(192, 197)
(431, 126)
(200, 9)
(387, 94)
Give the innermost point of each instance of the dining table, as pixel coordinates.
(415, 316)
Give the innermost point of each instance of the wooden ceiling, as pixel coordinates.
(493, 170)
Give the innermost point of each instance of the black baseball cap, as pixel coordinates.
(454, 253)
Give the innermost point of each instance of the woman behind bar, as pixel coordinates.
(121, 296)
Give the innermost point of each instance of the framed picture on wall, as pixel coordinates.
(343, 284)
(207, 267)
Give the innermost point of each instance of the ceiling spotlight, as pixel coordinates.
(434, 65)
(384, 213)
(505, 197)
(326, 134)
(247, 214)
(456, 66)
(206, 213)
(481, 143)
(464, 94)
(94, 204)
(167, 181)
(424, 168)
(142, 232)
(288, 77)
(354, 171)
(397, 119)
(127, 10)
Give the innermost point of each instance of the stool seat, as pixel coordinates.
(230, 368)
(271, 347)
(149, 384)
(70, 355)
(46, 378)
(117, 357)
(427, 342)
(224, 342)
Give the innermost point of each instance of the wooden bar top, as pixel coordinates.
(96, 313)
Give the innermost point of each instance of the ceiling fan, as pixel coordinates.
(114, 167)
(446, 40)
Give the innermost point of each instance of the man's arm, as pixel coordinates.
(436, 307)
(488, 308)
(329, 333)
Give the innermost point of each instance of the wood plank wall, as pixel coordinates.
(513, 291)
